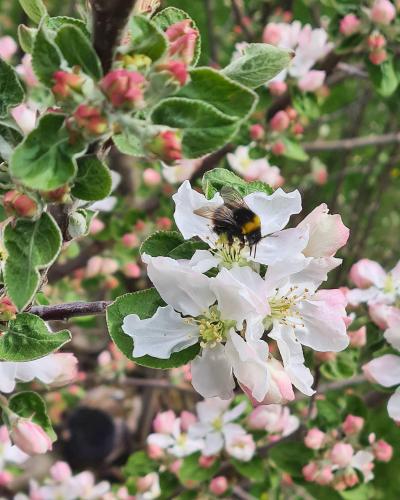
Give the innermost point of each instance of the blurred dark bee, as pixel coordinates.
(234, 219)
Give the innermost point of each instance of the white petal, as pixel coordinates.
(161, 440)
(161, 335)
(392, 335)
(7, 376)
(214, 443)
(394, 406)
(315, 272)
(249, 361)
(241, 294)
(235, 413)
(211, 408)
(106, 205)
(212, 373)
(180, 286)
(189, 224)
(199, 430)
(203, 260)
(358, 296)
(274, 210)
(384, 370)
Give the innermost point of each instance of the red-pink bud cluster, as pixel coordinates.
(182, 37)
(177, 70)
(19, 204)
(90, 119)
(124, 88)
(66, 83)
(167, 146)
(7, 309)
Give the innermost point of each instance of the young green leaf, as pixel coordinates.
(78, 51)
(187, 249)
(293, 150)
(11, 92)
(26, 37)
(27, 338)
(171, 15)
(215, 179)
(258, 64)
(139, 464)
(55, 23)
(45, 160)
(31, 246)
(383, 77)
(144, 303)
(29, 404)
(93, 180)
(34, 9)
(190, 469)
(204, 128)
(46, 59)
(128, 144)
(147, 38)
(161, 243)
(254, 469)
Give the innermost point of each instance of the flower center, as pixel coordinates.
(389, 286)
(230, 254)
(217, 424)
(212, 328)
(284, 309)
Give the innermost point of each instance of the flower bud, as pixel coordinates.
(24, 117)
(272, 34)
(341, 454)
(108, 266)
(175, 466)
(187, 419)
(278, 148)
(124, 88)
(132, 270)
(60, 471)
(314, 439)
(383, 12)
(130, 240)
(310, 471)
(155, 452)
(257, 132)
(77, 225)
(164, 422)
(378, 56)
(145, 483)
(382, 451)
(8, 47)
(358, 338)
(93, 266)
(177, 70)
(349, 25)
(280, 121)
(68, 364)
(277, 88)
(167, 146)
(90, 119)
(8, 310)
(19, 204)
(66, 83)
(30, 437)
(351, 478)
(206, 462)
(324, 476)
(219, 485)
(182, 38)
(352, 425)
(96, 226)
(376, 41)
(5, 478)
(151, 177)
(164, 223)
(58, 195)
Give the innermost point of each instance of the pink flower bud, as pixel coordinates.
(8, 47)
(68, 365)
(155, 452)
(90, 119)
(310, 471)
(93, 266)
(187, 419)
(351, 479)
(26, 72)
(30, 437)
(132, 270)
(19, 204)
(280, 121)
(382, 451)
(278, 148)
(164, 422)
(358, 338)
(167, 146)
(341, 454)
(111, 283)
(60, 471)
(24, 117)
(314, 439)
(320, 174)
(324, 476)
(164, 223)
(376, 41)
(5, 478)
(175, 466)
(207, 462)
(104, 358)
(352, 425)
(177, 69)
(124, 88)
(66, 83)
(145, 483)
(259, 418)
(219, 485)
(182, 38)
(298, 129)
(378, 56)
(96, 226)
(325, 357)
(130, 240)
(257, 132)
(8, 311)
(151, 177)
(349, 25)
(272, 33)
(277, 88)
(311, 81)
(383, 12)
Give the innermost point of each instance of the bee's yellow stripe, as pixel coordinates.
(252, 225)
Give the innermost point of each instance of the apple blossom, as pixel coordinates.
(151, 177)
(164, 422)
(29, 437)
(352, 425)
(314, 438)
(280, 121)
(383, 12)
(219, 485)
(349, 24)
(239, 444)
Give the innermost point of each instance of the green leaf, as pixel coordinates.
(161, 243)
(139, 464)
(254, 469)
(204, 128)
(34, 9)
(78, 51)
(144, 303)
(55, 23)
(93, 180)
(46, 59)
(187, 249)
(147, 38)
(215, 179)
(259, 63)
(11, 92)
(172, 15)
(26, 38)
(29, 404)
(27, 338)
(290, 457)
(191, 471)
(294, 151)
(212, 87)
(383, 77)
(31, 246)
(128, 144)
(45, 160)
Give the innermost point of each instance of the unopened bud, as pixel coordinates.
(124, 88)
(77, 225)
(30, 437)
(177, 70)
(8, 310)
(66, 83)
(90, 119)
(182, 37)
(19, 204)
(167, 146)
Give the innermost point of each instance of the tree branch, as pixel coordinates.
(352, 143)
(70, 310)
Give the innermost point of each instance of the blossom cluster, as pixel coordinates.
(258, 297)
(339, 454)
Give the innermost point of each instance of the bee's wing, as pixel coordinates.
(205, 212)
(232, 198)
(221, 213)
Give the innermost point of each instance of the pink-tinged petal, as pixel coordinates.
(383, 315)
(395, 273)
(366, 272)
(384, 370)
(394, 406)
(392, 335)
(212, 373)
(8, 47)
(357, 296)
(312, 81)
(24, 117)
(327, 233)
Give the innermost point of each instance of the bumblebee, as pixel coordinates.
(234, 219)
